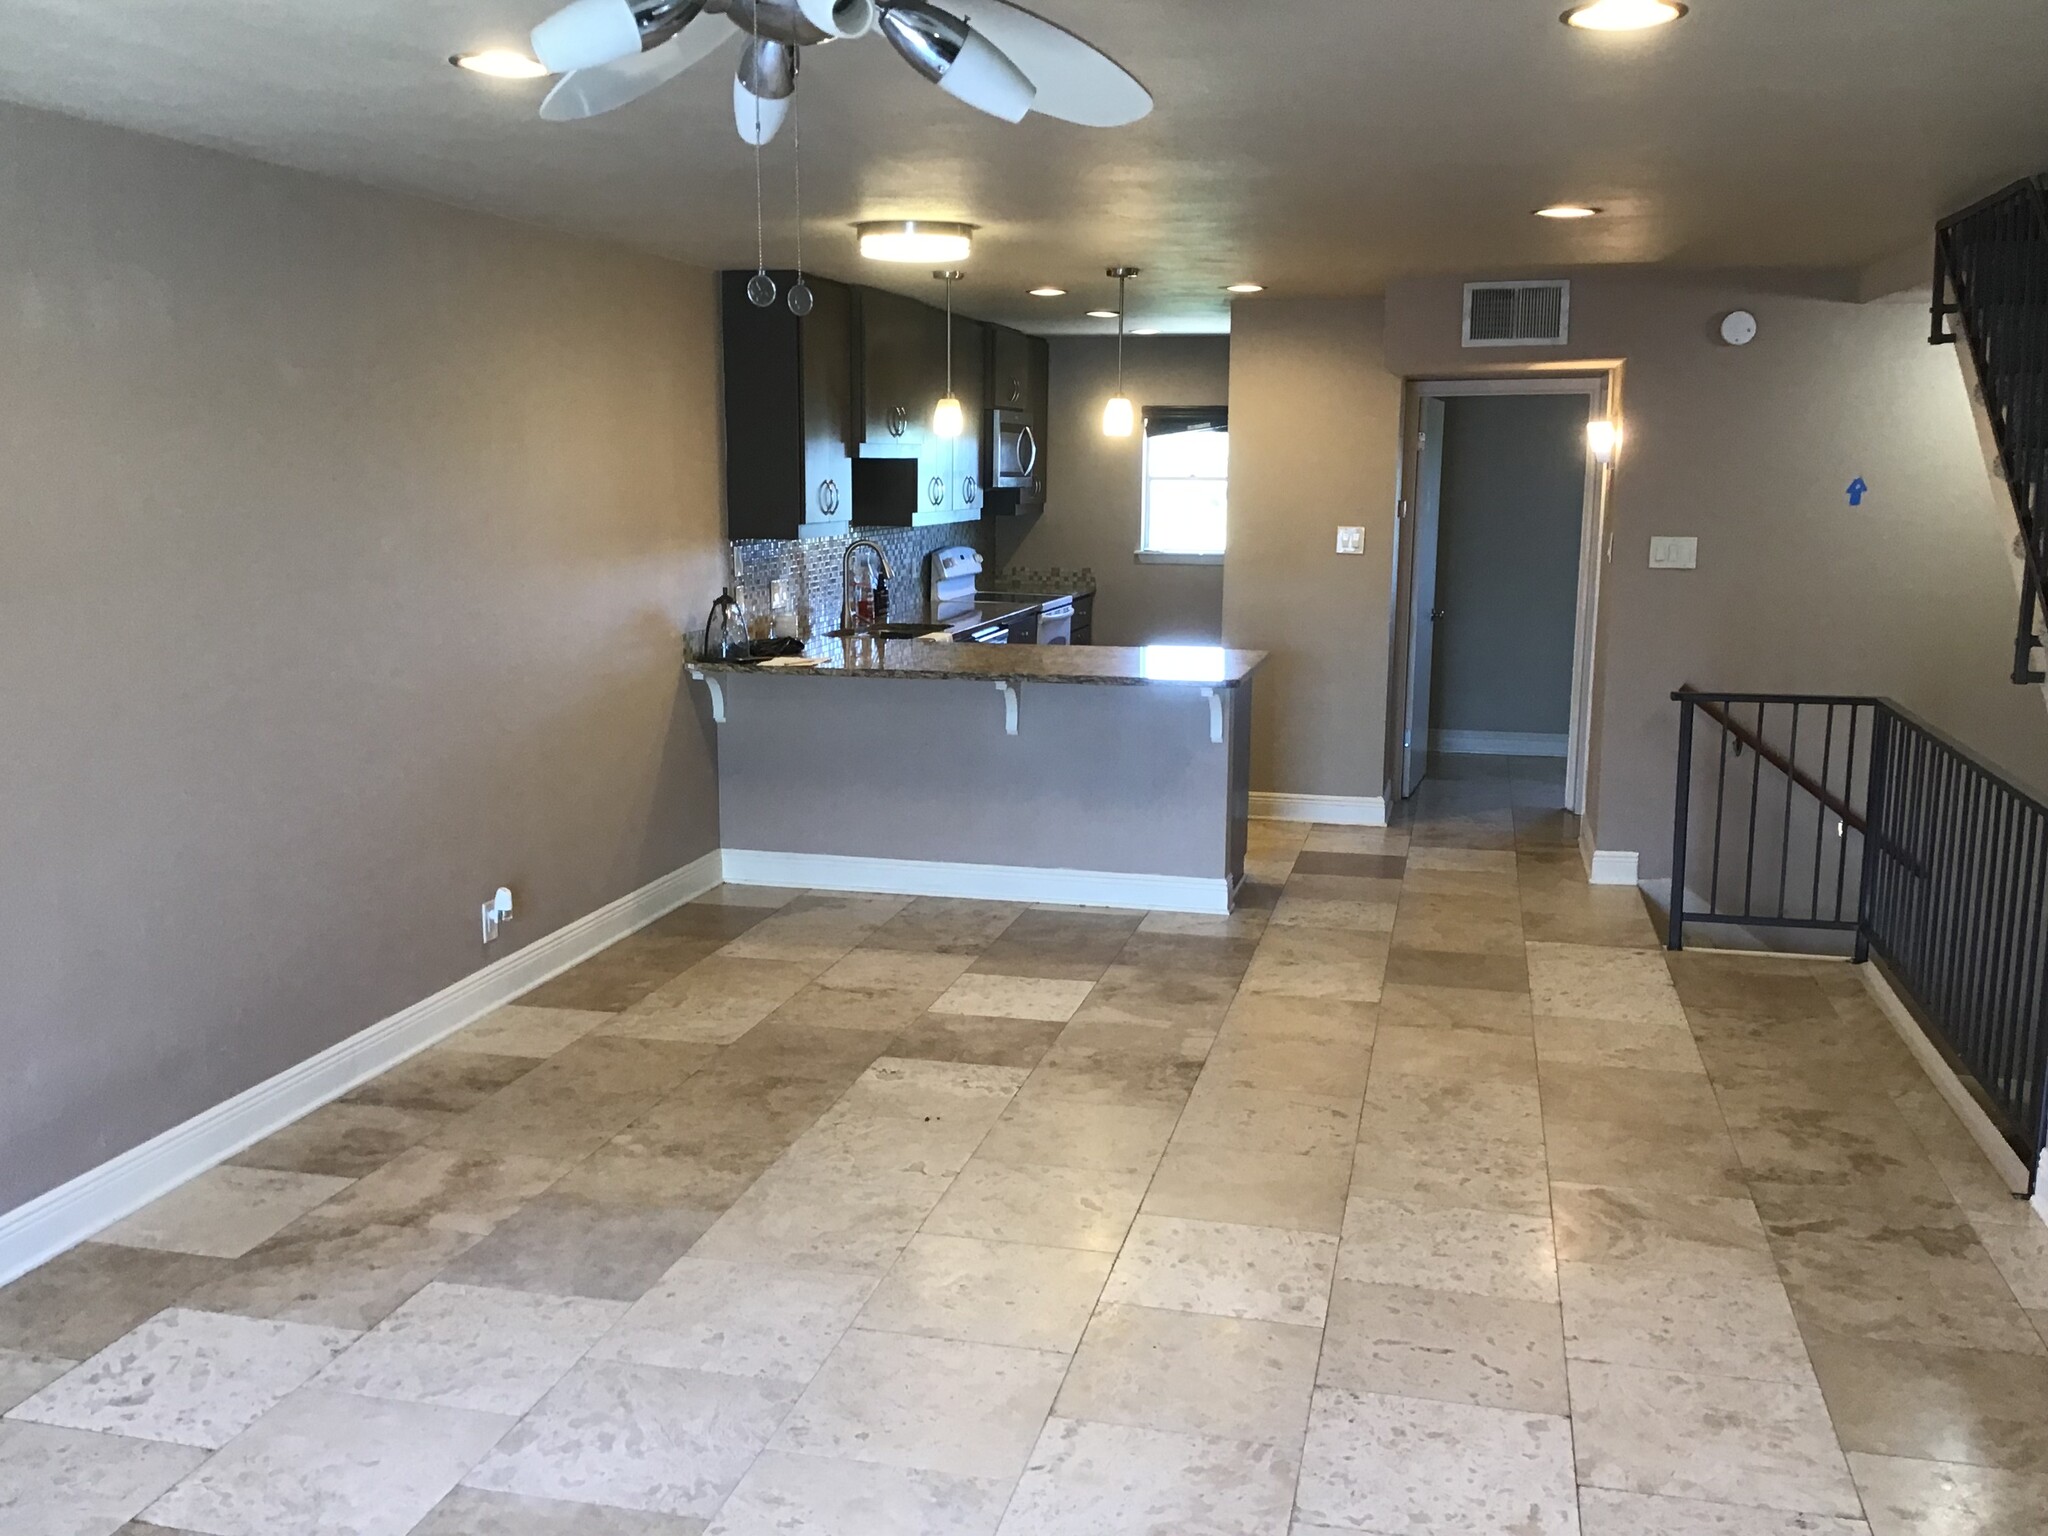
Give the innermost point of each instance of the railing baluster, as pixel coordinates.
(1756, 773)
(1785, 827)
(1820, 812)
(1681, 817)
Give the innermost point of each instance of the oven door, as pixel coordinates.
(1056, 623)
(988, 634)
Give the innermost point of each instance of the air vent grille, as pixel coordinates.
(1518, 314)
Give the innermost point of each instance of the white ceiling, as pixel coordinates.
(1318, 146)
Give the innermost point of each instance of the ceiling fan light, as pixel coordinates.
(1623, 15)
(758, 118)
(839, 18)
(949, 418)
(1244, 288)
(920, 240)
(586, 33)
(1568, 211)
(1102, 314)
(500, 64)
(1118, 416)
(984, 77)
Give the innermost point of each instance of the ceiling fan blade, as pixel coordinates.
(591, 92)
(1076, 81)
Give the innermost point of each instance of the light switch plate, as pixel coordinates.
(1350, 541)
(1669, 554)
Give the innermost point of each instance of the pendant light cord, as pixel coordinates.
(949, 335)
(1120, 335)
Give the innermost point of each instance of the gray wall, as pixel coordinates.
(1749, 448)
(346, 540)
(1094, 495)
(1314, 434)
(1507, 569)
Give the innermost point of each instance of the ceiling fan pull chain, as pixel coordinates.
(800, 296)
(760, 287)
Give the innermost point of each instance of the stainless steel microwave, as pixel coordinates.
(1013, 442)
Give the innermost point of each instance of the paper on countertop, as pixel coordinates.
(792, 661)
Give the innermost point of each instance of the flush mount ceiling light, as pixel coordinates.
(1048, 293)
(500, 64)
(1623, 15)
(1118, 415)
(996, 57)
(1568, 211)
(1245, 288)
(914, 240)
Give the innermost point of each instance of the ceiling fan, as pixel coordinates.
(994, 56)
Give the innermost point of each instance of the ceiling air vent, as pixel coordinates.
(1518, 314)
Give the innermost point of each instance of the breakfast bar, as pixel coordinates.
(1079, 775)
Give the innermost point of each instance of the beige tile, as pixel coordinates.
(1616, 1043)
(692, 1435)
(1343, 914)
(1289, 1064)
(1605, 1512)
(1064, 1133)
(1238, 925)
(1708, 1324)
(87, 1297)
(1178, 999)
(985, 1292)
(1314, 1020)
(23, 1374)
(1262, 1273)
(476, 1512)
(224, 1212)
(1651, 1232)
(323, 1461)
(896, 970)
(1325, 838)
(790, 1495)
(932, 925)
(1086, 1208)
(1303, 1192)
(616, 978)
(189, 1378)
(1421, 1468)
(561, 1246)
(1407, 1153)
(1931, 1498)
(964, 1037)
(1469, 860)
(823, 1216)
(1013, 997)
(465, 1346)
(340, 1279)
(457, 1190)
(1087, 1477)
(1318, 962)
(1482, 1253)
(883, 1009)
(1447, 1346)
(1708, 1437)
(938, 1405)
(343, 1140)
(2021, 1253)
(739, 1319)
(68, 1482)
(1436, 1007)
(1193, 1373)
(1458, 1056)
(1122, 1063)
(1590, 982)
(1935, 1404)
(1255, 1120)
(714, 1002)
(517, 1030)
(770, 896)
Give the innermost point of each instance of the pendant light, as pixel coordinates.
(948, 419)
(1117, 416)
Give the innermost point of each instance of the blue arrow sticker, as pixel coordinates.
(1858, 489)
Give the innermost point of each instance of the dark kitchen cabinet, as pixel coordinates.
(1011, 368)
(788, 411)
(1018, 381)
(899, 371)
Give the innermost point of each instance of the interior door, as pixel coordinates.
(1422, 610)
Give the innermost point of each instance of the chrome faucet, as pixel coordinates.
(848, 619)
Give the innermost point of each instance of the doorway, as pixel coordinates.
(1501, 567)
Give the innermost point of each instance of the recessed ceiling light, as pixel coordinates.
(1623, 15)
(915, 240)
(1101, 314)
(1048, 293)
(1245, 288)
(500, 64)
(1567, 211)
(1146, 330)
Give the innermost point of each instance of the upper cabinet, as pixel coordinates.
(788, 408)
(828, 417)
(1015, 428)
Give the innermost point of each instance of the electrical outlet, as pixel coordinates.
(1674, 554)
(497, 910)
(1350, 541)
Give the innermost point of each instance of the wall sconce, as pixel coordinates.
(1603, 440)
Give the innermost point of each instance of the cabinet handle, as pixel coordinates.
(969, 488)
(935, 491)
(828, 497)
(899, 420)
(1016, 391)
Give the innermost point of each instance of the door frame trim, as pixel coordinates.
(1601, 386)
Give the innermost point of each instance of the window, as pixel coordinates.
(1187, 482)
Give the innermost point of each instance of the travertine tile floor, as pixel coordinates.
(1424, 1197)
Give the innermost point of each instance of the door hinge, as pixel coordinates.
(1401, 507)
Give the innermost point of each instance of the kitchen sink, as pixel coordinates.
(889, 632)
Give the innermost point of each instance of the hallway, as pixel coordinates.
(1424, 1195)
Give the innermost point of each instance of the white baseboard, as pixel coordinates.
(981, 882)
(53, 1222)
(1335, 810)
(1951, 1088)
(1607, 866)
(1499, 743)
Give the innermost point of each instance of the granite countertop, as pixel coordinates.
(1203, 665)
